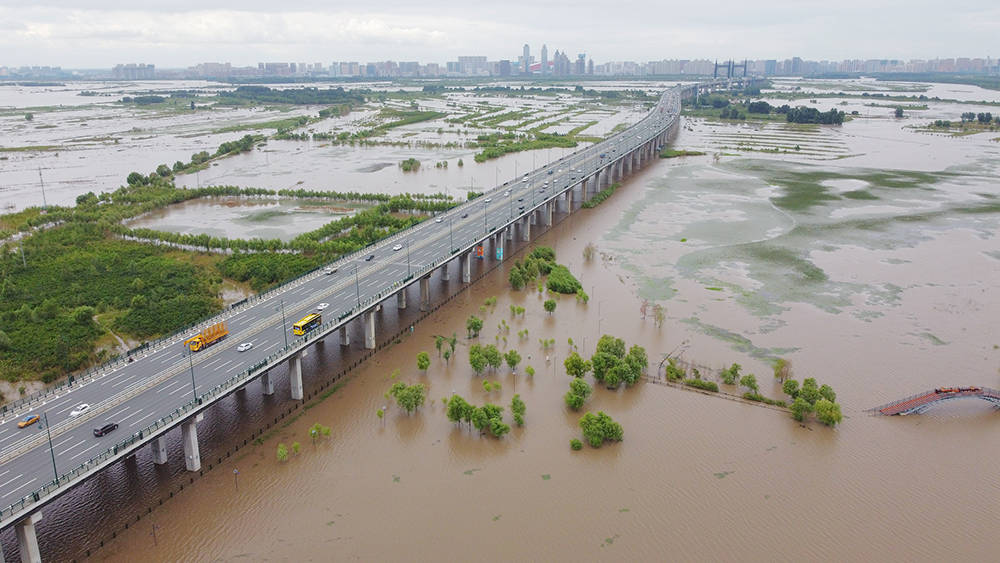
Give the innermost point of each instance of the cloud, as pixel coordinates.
(184, 32)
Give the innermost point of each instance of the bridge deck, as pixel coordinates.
(921, 401)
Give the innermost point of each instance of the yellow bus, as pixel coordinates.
(307, 323)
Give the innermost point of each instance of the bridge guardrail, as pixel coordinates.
(200, 402)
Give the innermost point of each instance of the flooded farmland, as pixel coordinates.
(867, 258)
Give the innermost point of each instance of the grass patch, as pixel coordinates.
(702, 384)
(671, 153)
(31, 148)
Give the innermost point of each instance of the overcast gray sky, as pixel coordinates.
(180, 33)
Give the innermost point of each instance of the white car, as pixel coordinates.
(438, 220)
(322, 306)
(506, 193)
(397, 247)
(488, 200)
(244, 347)
(80, 409)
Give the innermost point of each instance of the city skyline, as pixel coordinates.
(96, 33)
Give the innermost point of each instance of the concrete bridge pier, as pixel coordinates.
(526, 228)
(295, 375)
(345, 337)
(159, 447)
(267, 382)
(192, 457)
(466, 267)
(498, 246)
(27, 540)
(369, 317)
(445, 276)
(401, 298)
(425, 293)
(547, 213)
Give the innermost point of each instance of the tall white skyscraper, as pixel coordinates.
(545, 59)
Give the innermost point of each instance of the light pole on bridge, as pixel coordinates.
(357, 285)
(194, 388)
(407, 257)
(45, 418)
(284, 326)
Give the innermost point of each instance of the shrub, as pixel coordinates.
(702, 384)
(562, 281)
(575, 445)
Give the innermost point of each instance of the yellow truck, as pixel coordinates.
(207, 337)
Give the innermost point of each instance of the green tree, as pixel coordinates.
(477, 359)
(549, 305)
(498, 428)
(4, 341)
(518, 407)
(828, 412)
(163, 170)
(809, 391)
(750, 382)
(610, 345)
(790, 388)
(578, 393)
(602, 364)
(282, 452)
(296, 447)
(516, 278)
(473, 325)
(782, 369)
(479, 419)
(530, 371)
(575, 445)
(731, 375)
(408, 397)
(457, 408)
(492, 356)
(513, 358)
(576, 365)
(637, 362)
(447, 356)
(899, 111)
(423, 361)
(827, 393)
(438, 343)
(598, 428)
(800, 408)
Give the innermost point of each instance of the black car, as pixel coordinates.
(464, 215)
(106, 429)
(369, 258)
(520, 199)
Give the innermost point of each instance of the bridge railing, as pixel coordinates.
(209, 397)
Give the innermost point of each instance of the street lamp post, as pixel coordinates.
(485, 228)
(407, 257)
(284, 327)
(451, 238)
(357, 285)
(45, 417)
(194, 389)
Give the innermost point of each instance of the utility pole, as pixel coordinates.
(45, 204)
(194, 389)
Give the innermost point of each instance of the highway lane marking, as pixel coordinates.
(170, 384)
(124, 418)
(235, 367)
(177, 390)
(22, 485)
(85, 451)
(71, 438)
(5, 483)
(138, 420)
(4, 473)
(71, 447)
(115, 414)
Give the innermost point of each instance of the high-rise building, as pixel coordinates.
(527, 59)
(545, 59)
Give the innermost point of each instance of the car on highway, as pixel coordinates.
(520, 199)
(244, 347)
(550, 172)
(369, 258)
(489, 200)
(329, 270)
(106, 429)
(28, 420)
(397, 247)
(506, 193)
(437, 220)
(526, 174)
(464, 215)
(322, 306)
(79, 410)
(520, 208)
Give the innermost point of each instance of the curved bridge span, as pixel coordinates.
(916, 404)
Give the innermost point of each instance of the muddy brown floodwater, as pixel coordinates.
(696, 477)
